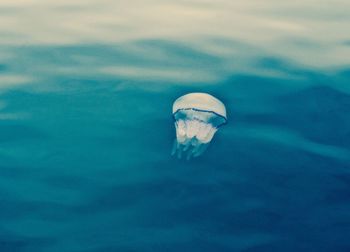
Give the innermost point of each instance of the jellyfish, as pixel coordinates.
(197, 117)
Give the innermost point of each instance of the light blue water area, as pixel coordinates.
(86, 131)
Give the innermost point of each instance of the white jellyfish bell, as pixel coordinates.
(197, 117)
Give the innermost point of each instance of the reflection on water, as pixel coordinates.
(86, 89)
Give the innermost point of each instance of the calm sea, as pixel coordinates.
(86, 131)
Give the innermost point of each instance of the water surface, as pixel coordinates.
(86, 89)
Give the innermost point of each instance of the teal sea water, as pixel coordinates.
(86, 131)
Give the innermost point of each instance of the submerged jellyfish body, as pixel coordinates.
(197, 117)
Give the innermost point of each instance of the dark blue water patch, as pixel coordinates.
(14, 243)
(13, 132)
(310, 110)
(13, 246)
(14, 208)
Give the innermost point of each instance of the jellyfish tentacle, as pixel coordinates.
(201, 148)
(179, 151)
(175, 147)
(187, 145)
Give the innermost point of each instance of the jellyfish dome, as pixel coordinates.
(197, 117)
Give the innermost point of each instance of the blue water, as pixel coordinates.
(86, 131)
